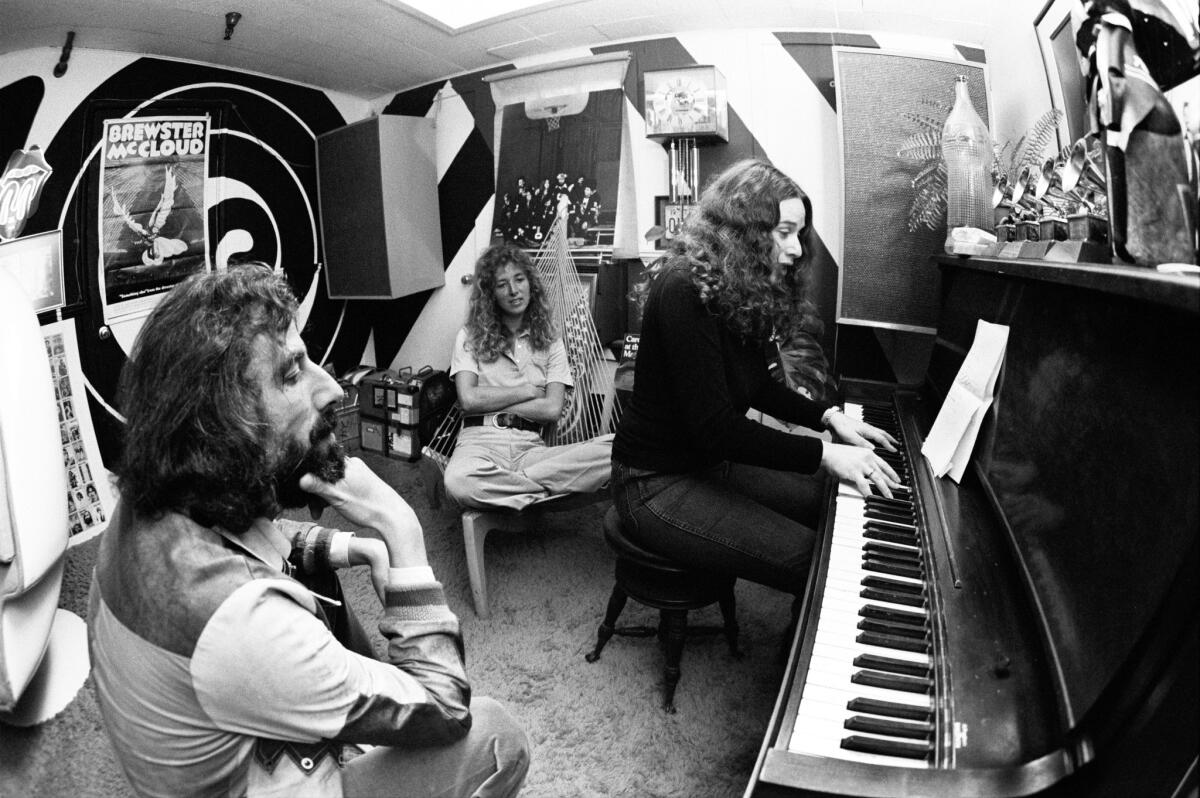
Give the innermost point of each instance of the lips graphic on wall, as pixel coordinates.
(20, 189)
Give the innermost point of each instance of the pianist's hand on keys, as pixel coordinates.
(856, 461)
(848, 428)
(860, 467)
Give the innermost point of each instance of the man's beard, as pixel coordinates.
(324, 458)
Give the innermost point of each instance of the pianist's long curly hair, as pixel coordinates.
(727, 245)
(487, 337)
(195, 437)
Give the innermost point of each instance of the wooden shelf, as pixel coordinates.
(1172, 290)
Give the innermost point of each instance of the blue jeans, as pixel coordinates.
(732, 519)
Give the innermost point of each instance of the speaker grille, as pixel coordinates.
(887, 274)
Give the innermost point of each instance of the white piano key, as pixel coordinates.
(887, 605)
(848, 690)
(817, 725)
(838, 694)
(832, 641)
(804, 744)
(833, 644)
(850, 579)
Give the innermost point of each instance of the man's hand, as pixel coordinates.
(861, 466)
(859, 433)
(365, 500)
(373, 553)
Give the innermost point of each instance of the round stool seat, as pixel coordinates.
(655, 580)
(659, 582)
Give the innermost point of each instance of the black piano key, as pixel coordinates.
(883, 583)
(888, 614)
(893, 681)
(914, 566)
(891, 641)
(891, 526)
(880, 514)
(912, 559)
(891, 665)
(888, 627)
(874, 745)
(890, 709)
(895, 562)
(886, 550)
(892, 597)
(890, 728)
(891, 568)
(890, 535)
(884, 501)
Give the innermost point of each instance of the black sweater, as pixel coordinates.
(693, 383)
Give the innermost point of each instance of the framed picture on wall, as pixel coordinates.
(670, 216)
(36, 261)
(1056, 38)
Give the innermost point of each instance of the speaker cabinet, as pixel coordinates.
(378, 194)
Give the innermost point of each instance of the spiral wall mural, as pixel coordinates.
(261, 197)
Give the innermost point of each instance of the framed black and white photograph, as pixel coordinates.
(1056, 38)
(36, 261)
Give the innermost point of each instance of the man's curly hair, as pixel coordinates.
(194, 431)
(487, 337)
(727, 246)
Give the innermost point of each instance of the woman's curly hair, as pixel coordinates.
(728, 247)
(194, 438)
(487, 337)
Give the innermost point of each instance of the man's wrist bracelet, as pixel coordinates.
(827, 416)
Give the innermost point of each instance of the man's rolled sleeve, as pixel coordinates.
(317, 549)
(265, 665)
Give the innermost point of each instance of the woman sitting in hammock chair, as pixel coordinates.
(510, 368)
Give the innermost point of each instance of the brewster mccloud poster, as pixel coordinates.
(153, 225)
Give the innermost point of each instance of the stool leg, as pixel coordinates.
(674, 625)
(729, 614)
(616, 603)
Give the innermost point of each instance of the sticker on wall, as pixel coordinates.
(89, 495)
(21, 185)
(153, 224)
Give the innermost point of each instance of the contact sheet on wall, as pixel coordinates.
(89, 495)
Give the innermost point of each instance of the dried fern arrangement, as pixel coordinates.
(924, 148)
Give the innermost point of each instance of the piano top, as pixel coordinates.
(1180, 291)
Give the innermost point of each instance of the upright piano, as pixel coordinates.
(1035, 629)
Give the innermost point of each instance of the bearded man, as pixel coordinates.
(225, 659)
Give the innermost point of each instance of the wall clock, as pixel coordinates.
(686, 101)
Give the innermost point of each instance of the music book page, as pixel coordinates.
(950, 441)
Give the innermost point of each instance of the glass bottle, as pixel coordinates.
(967, 151)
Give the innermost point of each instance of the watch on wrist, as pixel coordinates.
(827, 416)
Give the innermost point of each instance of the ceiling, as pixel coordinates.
(374, 48)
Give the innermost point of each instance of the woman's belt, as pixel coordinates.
(503, 421)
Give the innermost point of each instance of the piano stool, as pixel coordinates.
(659, 583)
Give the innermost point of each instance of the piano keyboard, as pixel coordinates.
(868, 694)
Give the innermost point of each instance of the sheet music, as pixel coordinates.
(950, 441)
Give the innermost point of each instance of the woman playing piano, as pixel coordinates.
(693, 476)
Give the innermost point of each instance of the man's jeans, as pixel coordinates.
(744, 521)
